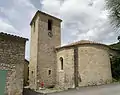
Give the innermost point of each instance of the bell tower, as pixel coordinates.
(45, 36)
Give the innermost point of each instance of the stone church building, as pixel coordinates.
(82, 63)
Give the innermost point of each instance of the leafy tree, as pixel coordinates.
(114, 9)
(119, 38)
(115, 66)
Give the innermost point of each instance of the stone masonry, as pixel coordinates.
(65, 77)
(81, 63)
(93, 67)
(42, 54)
(12, 54)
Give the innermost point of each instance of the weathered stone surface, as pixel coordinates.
(93, 66)
(65, 77)
(26, 73)
(43, 55)
(12, 54)
(33, 55)
(83, 65)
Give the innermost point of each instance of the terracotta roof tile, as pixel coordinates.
(44, 13)
(13, 36)
(81, 42)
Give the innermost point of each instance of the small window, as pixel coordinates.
(49, 24)
(49, 72)
(61, 60)
(32, 72)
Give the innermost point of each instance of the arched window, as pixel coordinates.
(61, 61)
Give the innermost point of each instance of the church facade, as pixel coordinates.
(81, 63)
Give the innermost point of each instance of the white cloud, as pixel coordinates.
(15, 19)
(51, 6)
(7, 28)
(82, 19)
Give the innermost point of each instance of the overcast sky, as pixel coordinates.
(82, 19)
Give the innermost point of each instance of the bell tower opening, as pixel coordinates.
(49, 24)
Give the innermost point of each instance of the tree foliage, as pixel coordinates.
(119, 38)
(114, 8)
(115, 67)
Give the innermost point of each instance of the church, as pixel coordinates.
(82, 63)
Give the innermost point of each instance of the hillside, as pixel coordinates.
(116, 45)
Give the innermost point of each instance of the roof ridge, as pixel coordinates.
(81, 42)
(6, 34)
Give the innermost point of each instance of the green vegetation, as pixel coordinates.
(114, 10)
(114, 14)
(115, 66)
(116, 45)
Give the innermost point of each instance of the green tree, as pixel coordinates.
(115, 67)
(114, 9)
(119, 38)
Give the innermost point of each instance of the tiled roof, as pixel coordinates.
(81, 42)
(13, 36)
(40, 12)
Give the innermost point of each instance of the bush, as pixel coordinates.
(115, 67)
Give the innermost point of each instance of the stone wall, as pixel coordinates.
(46, 48)
(43, 55)
(12, 59)
(33, 55)
(94, 65)
(26, 73)
(65, 77)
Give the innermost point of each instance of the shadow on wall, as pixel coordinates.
(26, 73)
(27, 91)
